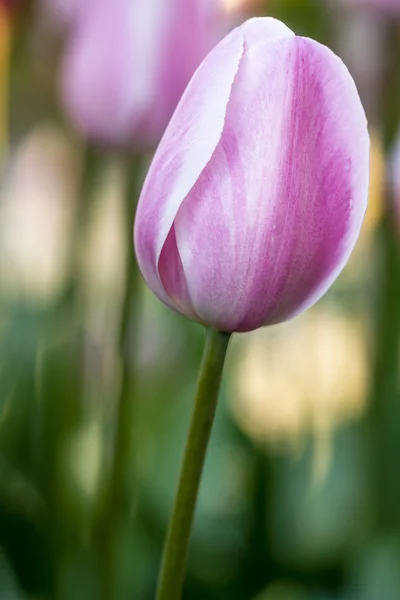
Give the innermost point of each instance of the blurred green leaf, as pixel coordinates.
(375, 570)
(316, 525)
(306, 17)
(28, 551)
(283, 591)
(9, 589)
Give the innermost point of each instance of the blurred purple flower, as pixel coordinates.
(256, 195)
(127, 63)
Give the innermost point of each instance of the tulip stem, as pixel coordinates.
(173, 564)
(119, 497)
(129, 320)
(383, 414)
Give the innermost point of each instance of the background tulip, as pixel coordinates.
(128, 62)
(257, 192)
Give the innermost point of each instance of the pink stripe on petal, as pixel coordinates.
(330, 138)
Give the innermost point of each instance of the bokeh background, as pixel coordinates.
(300, 498)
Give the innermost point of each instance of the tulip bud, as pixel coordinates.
(128, 62)
(257, 192)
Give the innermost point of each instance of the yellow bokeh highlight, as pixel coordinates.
(5, 34)
(376, 185)
(305, 376)
(233, 6)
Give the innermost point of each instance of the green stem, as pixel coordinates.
(118, 498)
(129, 321)
(92, 164)
(176, 546)
(383, 414)
(384, 409)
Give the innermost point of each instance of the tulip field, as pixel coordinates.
(199, 300)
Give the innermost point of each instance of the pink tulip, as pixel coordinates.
(128, 63)
(256, 195)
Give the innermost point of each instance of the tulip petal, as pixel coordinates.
(187, 146)
(265, 30)
(274, 215)
(173, 279)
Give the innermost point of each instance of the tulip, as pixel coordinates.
(257, 192)
(128, 62)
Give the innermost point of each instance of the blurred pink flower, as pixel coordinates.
(127, 63)
(257, 192)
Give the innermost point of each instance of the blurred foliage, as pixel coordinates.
(300, 498)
